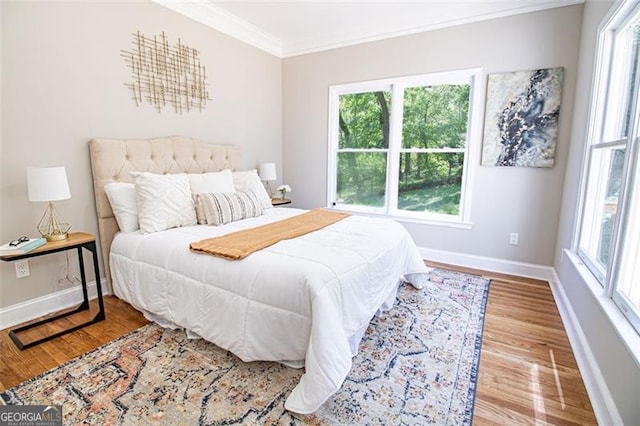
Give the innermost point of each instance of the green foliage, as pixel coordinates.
(615, 173)
(604, 245)
(434, 117)
(443, 199)
(422, 169)
(612, 193)
(362, 178)
(362, 118)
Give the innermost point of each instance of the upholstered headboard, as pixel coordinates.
(113, 159)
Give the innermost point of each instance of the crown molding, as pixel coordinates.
(318, 44)
(219, 19)
(224, 21)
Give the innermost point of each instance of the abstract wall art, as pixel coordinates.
(521, 118)
(164, 74)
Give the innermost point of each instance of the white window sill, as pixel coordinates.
(450, 223)
(620, 323)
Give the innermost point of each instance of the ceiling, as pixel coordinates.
(295, 27)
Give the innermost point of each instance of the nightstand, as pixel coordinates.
(77, 241)
(280, 201)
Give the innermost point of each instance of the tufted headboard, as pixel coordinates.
(113, 159)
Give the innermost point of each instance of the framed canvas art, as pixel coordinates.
(521, 118)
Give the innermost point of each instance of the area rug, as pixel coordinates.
(417, 364)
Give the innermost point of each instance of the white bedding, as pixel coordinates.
(299, 302)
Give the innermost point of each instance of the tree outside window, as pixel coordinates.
(401, 146)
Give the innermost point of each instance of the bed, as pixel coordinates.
(303, 302)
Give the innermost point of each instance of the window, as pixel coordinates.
(609, 233)
(400, 146)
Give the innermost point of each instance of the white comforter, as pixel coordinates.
(299, 302)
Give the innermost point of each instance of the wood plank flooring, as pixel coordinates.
(17, 366)
(527, 375)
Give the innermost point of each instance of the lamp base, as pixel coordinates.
(52, 225)
(268, 188)
(56, 237)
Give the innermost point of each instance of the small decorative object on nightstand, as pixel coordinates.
(283, 189)
(280, 201)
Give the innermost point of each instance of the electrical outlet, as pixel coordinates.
(22, 268)
(513, 238)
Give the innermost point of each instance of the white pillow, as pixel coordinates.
(209, 182)
(221, 181)
(225, 207)
(164, 201)
(250, 181)
(122, 197)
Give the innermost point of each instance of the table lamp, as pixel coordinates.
(50, 184)
(267, 173)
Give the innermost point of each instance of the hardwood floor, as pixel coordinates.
(17, 366)
(527, 374)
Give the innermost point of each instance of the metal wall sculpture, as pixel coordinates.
(166, 75)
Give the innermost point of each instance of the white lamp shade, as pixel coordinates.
(47, 183)
(267, 171)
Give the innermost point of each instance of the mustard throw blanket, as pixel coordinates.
(240, 244)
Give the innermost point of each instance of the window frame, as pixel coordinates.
(396, 86)
(597, 141)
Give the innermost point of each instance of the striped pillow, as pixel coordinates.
(225, 207)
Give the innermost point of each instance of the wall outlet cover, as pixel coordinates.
(22, 268)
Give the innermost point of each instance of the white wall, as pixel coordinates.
(523, 200)
(617, 366)
(63, 83)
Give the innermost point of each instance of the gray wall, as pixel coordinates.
(523, 200)
(621, 372)
(63, 83)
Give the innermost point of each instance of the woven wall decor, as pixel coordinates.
(164, 74)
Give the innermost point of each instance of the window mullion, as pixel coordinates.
(395, 144)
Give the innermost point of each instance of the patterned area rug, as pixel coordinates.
(417, 365)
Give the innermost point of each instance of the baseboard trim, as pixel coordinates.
(491, 264)
(44, 305)
(604, 407)
(602, 402)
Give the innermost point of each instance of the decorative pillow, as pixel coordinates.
(209, 182)
(250, 181)
(225, 207)
(164, 201)
(122, 197)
